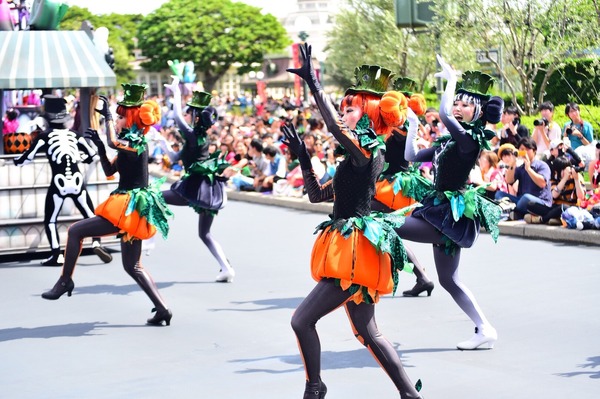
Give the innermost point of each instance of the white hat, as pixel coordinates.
(555, 143)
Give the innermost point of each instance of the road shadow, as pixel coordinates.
(592, 363)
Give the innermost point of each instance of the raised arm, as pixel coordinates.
(177, 110)
(341, 132)
(111, 135)
(316, 192)
(465, 142)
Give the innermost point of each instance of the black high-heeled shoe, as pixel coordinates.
(420, 287)
(315, 390)
(64, 284)
(160, 316)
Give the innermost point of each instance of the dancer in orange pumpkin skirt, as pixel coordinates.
(357, 255)
(401, 184)
(135, 210)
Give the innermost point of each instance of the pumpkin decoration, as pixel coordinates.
(149, 113)
(417, 103)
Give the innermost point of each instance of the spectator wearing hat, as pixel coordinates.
(202, 171)
(65, 149)
(533, 176)
(559, 148)
(545, 130)
(136, 210)
(578, 131)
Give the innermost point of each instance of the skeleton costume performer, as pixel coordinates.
(356, 256)
(201, 171)
(64, 149)
(401, 184)
(453, 211)
(135, 210)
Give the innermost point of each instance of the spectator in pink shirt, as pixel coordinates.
(10, 124)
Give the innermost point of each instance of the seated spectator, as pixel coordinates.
(558, 148)
(240, 161)
(227, 152)
(545, 130)
(594, 169)
(490, 175)
(276, 170)
(578, 131)
(512, 129)
(504, 154)
(567, 190)
(258, 166)
(533, 177)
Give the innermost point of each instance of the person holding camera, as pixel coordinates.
(545, 130)
(578, 131)
(594, 169)
(512, 129)
(558, 148)
(567, 190)
(533, 176)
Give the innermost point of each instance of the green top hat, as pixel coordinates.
(476, 83)
(200, 99)
(134, 94)
(371, 79)
(406, 86)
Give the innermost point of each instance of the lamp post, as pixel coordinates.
(302, 35)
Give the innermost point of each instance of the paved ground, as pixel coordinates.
(231, 341)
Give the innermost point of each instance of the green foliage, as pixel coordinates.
(578, 81)
(122, 29)
(214, 34)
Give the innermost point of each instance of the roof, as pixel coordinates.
(51, 59)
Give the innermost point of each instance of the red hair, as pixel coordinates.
(383, 121)
(142, 116)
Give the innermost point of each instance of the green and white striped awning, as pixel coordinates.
(51, 59)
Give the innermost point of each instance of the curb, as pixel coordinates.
(521, 229)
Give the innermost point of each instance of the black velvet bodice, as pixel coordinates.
(192, 152)
(451, 167)
(394, 154)
(133, 169)
(354, 187)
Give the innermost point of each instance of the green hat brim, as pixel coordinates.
(195, 105)
(130, 103)
(358, 91)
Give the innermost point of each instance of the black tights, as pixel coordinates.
(130, 252)
(322, 300)
(205, 221)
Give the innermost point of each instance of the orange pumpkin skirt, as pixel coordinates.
(353, 261)
(385, 194)
(133, 225)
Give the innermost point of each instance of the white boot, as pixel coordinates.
(225, 276)
(484, 338)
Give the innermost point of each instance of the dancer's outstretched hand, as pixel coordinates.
(292, 139)
(174, 86)
(306, 71)
(102, 108)
(447, 71)
(93, 135)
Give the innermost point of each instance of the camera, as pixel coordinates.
(598, 146)
(539, 122)
(521, 153)
(516, 121)
(569, 131)
(435, 122)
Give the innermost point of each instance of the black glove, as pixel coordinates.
(208, 117)
(105, 112)
(296, 145)
(92, 135)
(306, 71)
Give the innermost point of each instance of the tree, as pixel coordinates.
(214, 34)
(535, 36)
(366, 33)
(122, 29)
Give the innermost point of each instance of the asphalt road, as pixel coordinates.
(230, 341)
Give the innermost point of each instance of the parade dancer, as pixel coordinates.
(135, 210)
(401, 184)
(451, 214)
(357, 255)
(64, 149)
(202, 172)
